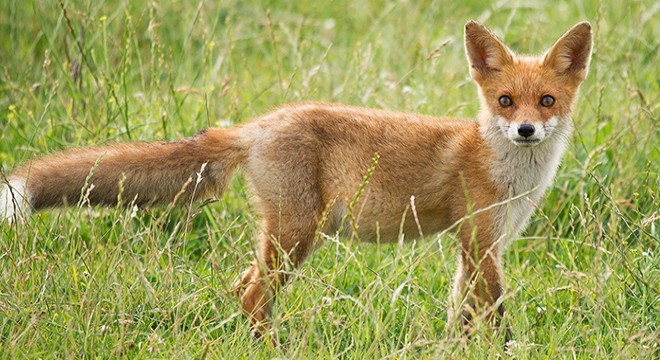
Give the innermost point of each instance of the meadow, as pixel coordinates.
(582, 280)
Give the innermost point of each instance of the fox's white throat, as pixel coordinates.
(526, 170)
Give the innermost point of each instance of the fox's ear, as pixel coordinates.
(485, 52)
(571, 54)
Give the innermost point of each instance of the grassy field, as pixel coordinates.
(582, 281)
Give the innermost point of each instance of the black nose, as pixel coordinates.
(526, 130)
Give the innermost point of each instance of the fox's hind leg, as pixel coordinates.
(284, 243)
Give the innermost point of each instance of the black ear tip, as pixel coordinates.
(470, 24)
(473, 25)
(584, 25)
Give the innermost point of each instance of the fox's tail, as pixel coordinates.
(144, 173)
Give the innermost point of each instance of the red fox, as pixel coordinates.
(306, 162)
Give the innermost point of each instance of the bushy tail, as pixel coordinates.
(147, 173)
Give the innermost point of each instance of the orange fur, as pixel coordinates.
(309, 159)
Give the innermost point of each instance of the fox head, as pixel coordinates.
(527, 99)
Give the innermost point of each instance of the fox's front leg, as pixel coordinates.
(479, 279)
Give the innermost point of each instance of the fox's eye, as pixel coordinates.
(547, 101)
(506, 101)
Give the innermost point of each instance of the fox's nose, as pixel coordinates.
(526, 130)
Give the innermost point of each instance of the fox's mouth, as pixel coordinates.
(526, 142)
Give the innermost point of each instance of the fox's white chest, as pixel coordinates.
(524, 174)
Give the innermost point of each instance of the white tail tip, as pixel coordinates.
(14, 201)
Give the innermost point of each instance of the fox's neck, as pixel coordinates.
(521, 170)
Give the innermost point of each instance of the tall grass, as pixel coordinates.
(582, 281)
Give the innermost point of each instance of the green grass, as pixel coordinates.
(582, 281)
